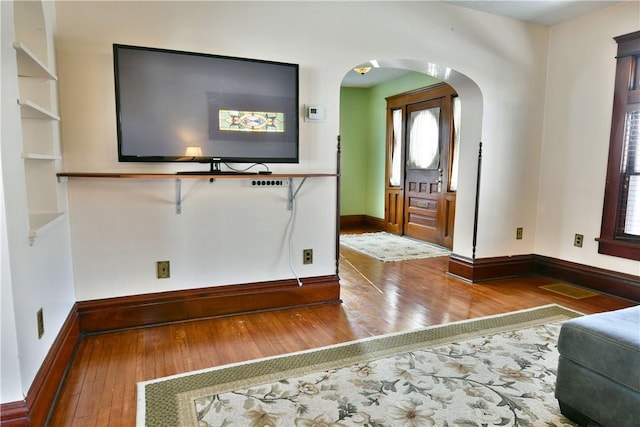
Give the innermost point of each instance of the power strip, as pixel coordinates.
(268, 182)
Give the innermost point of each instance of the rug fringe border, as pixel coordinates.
(371, 338)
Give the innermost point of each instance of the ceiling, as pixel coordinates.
(541, 12)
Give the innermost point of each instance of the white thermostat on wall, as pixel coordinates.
(314, 113)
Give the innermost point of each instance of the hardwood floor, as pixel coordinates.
(378, 298)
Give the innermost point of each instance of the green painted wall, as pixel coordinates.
(362, 130)
(354, 134)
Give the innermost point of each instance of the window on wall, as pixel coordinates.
(620, 231)
(395, 176)
(453, 183)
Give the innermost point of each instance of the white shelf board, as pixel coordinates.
(40, 156)
(30, 66)
(31, 110)
(39, 223)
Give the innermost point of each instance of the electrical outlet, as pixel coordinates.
(269, 182)
(162, 269)
(519, 233)
(40, 323)
(307, 256)
(577, 240)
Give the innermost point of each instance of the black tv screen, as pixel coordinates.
(175, 106)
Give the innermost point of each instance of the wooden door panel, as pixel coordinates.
(423, 230)
(394, 212)
(446, 216)
(421, 215)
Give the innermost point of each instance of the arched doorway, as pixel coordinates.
(363, 164)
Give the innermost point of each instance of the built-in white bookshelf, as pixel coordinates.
(38, 101)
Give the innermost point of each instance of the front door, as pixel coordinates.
(423, 177)
(420, 195)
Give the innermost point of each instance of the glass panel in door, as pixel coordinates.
(424, 139)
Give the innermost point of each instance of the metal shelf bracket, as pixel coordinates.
(292, 194)
(178, 196)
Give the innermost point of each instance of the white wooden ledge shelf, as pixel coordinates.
(31, 110)
(41, 222)
(40, 156)
(29, 65)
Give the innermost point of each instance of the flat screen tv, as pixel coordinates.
(175, 106)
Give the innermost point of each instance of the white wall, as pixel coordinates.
(119, 229)
(578, 111)
(10, 368)
(11, 383)
(228, 233)
(37, 276)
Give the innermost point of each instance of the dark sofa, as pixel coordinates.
(599, 369)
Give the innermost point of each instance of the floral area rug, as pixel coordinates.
(390, 247)
(492, 371)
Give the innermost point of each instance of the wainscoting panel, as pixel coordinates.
(610, 282)
(355, 221)
(14, 414)
(480, 270)
(177, 306)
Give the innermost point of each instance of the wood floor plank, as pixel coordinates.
(378, 298)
